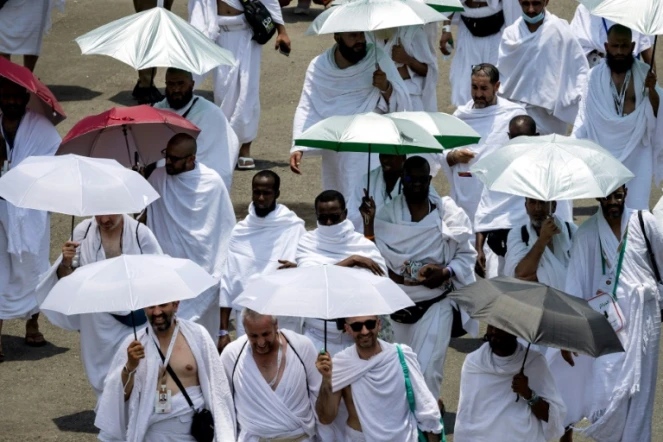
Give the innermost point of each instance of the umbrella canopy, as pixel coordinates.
(325, 292)
(448, 130)
(120, 132)
(438, 5)
(128, 282)
(644, 16)
(371, 15)
(658, 212)
(76, 186)
(156, 38)
(369, 132)
(539, 314)
(42, 99)
(553, 167)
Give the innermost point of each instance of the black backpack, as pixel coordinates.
(260, 20)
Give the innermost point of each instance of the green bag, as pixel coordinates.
(410, 395)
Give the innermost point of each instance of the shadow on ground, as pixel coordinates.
(81, 422)
(66, 92)
(449, 422)
(290, 17)
(15, 349)
(466, 345)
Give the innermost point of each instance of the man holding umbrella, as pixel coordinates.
(24, 234)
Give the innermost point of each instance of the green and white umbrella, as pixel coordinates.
(438, 5)
(448, 130)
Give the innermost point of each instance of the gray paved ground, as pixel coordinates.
(44, 395)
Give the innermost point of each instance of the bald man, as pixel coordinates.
(192, 219)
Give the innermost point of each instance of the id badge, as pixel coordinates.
(605, 304)
(163, 404)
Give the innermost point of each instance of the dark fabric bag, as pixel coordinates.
(457, 329)
(411, 315)
(484, 26)
(496, 240)
(260, 20)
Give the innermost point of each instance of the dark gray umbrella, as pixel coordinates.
(539, 314)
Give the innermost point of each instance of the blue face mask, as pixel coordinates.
(536, 19)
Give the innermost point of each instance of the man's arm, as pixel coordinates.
(328, 402)
(363, 262)
(540, 408)
(223, 327)
(399, 55)
(135, 353)
(480, 242)
(654, 98)
(527, 267)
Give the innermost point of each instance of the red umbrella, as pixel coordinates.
(42, 99)
(126, 134)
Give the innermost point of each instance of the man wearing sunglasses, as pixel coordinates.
(193, 219)
(370, 378)
(426, 242)
(614, 261)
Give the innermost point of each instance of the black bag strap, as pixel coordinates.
(172, 374)
(300, 360)
(189, 109)
(650, 252)
(568, 229)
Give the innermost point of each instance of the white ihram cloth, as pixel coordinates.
(331, 245)
(492, 123)
(132, 421)
(24, 233)
(592, 32)
(193, 219)
(378, 385)
(23, 24)
(442, 237)
(471, 50)
(256, 245)
(635, 139)
(288, 411)
(329, 91)
(100, 333)
(620, 387)
(487, 408)
(524, 55)
(414, 40)
(552, 271)
(218, 146)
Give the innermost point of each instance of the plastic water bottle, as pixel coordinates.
(449, 47)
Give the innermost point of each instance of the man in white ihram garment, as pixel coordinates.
(273, 380)
(218, 146)
(426, 242)
(543, 67)
(370, 379)
(24, 233)
(415, 60)
(193, 219)
(23, 24)
(480, 28)
(592, 34)
(142, 401)
(491, 379)
(620, 112)
(344, 81)
(96, 239)
(611, 265)
(269, 233)
(237, 88)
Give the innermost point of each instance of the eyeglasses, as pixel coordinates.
(324, 218)
(173, 158)
(359, 326)
(616, 196)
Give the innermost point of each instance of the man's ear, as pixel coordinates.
(277, 194)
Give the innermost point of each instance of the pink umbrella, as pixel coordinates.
(126, 134)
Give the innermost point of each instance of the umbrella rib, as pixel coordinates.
(326, 292)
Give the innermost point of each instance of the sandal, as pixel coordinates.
(245, 163)
(34, 339)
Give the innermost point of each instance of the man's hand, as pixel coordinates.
(481, 259)
(135, 352)
(324, 366)
(433, 276)
(282, 39)
(380, 80)
(69, 252)
(520, 385)
(399, 55)
(433, 437)
(367, 208)
(285, 264)
(548, 230)
(459, 156)
(568, 357)
(364, 263)
(223, 341)
(444, 39)
(650, 81)
(295, 161)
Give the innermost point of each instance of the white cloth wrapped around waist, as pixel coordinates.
(176, 425)
(229, 23)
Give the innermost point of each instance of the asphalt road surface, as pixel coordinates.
(44, 394)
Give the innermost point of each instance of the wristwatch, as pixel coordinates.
(534, 399)
(223, 333)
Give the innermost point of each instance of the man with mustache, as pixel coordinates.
(539, 42)
(142, 401)
(612, 265)
(619, 111)
(369, 378)
(218, 146)
(349, 78)
(487, 408)
(24, 233)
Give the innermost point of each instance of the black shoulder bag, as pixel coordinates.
(650, 253)
(260, 20)
(202, 426)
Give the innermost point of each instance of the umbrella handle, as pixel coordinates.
(325, 347)
(522, 369)
(133, 324)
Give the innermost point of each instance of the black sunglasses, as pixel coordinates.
(173, 158)
(335, 218)
(358, 326)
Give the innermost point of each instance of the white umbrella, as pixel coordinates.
(438, 5)
(644, 16)
(325, 292)
(156, 38)
(371, 15)
(658, 212)
(128, 282)
(448, 130)
(551, 168)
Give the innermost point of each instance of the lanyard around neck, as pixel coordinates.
(622, 247)
(170, 346)
(619, 97)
